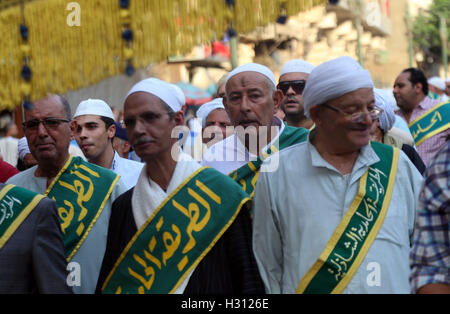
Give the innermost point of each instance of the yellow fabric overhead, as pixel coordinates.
(64, 57)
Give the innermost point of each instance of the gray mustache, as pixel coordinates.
(141, 140)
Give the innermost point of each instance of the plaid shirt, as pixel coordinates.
(428, 148)
(430, 254)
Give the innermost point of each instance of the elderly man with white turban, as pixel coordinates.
(251, 102)
(337, 215)
(183, 228)
(292, 81)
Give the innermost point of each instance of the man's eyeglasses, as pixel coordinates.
(298, 86)
(49, 123)
(148, 118)
(357, 117)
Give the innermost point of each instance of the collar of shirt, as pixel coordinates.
(366, 158)
(115, 161)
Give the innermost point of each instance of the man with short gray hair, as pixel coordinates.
(83, 192)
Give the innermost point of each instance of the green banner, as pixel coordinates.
(80, 190)
(16, 204)
(354, 235)
(247, 175)
(434, 121)
(178, 235)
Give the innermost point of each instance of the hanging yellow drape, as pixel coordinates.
(64, 57)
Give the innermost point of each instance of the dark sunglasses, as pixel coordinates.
(298, 86)
(51, 123)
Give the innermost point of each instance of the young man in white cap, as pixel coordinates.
(251, 102)
(338, 213)
(292, 81)
(83, 192)
(215, 121)
(183, 228)
(94, 130)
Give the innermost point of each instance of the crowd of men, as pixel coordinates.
(313, 183)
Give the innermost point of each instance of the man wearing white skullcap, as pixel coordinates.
(292, 81)
(337, 209)
(94, 130)
(251, 102)
(436, 88)
(83, 192)
(214, 120)
(174, 196)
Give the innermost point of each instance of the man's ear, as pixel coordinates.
(418, 88)
(179, 117)
(314, 113)
(224, 102)
(73, 128)
(111, 131)
(277, 99)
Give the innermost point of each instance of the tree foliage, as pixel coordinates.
(426, 32)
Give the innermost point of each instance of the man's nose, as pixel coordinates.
(290, 91)
(245, 104)
(41, 129)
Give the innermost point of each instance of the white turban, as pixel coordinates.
(333, 79)
(437, 82)
(384, 101)
(22, 147)
(297, 66)
(205, 109)
(163, 90)
(253, 67)
(180, 94)
(94, 107)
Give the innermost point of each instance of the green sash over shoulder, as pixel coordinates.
(247, 175)
(16, 204)
(80, 190)
(432, 122)
(178, 235)
(354, 235)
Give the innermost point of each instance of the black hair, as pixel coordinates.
(417, 76)
(108, 122)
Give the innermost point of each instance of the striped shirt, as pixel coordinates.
(430, 254)
(428, 148)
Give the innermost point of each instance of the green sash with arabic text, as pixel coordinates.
(247, 175)
(80, 190)
(432, 122)
(179, 233)
(354, 235)
(16, 204)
